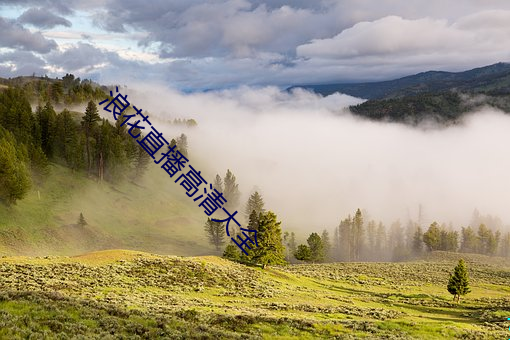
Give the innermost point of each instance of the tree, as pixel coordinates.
(458, 284)
(182, 144)
(345, 232)
(326, 243)
(255, 203)
(231, 252)
(303, 253)
(215, 232)
(81, 221)
(469, 241)
(218, 183)
(357, 234)
(432, 237)
(289, 239)
(316, 247)
(231, 191)
(270, 249)
(89, 121)
(418, 241)
(14, 175)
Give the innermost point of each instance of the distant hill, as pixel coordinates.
(493, 79)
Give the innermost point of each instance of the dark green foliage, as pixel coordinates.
(458, 283)
(357, 235)
(303, 253)
(215, 232)
(270, 249)
(316, 247)
(14, 175)
(89, 122)
(469, 241)
(81, 220)
(432, 237)
(232, 252)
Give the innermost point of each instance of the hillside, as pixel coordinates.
(488, 79)
(153, 216)
(443, 97)
(140, 295)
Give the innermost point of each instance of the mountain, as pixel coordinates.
(488, 79)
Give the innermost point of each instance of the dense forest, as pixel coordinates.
(80, 141)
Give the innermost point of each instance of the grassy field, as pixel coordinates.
(155, 215)
(127, 294)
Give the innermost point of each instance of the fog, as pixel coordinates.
(315, 163)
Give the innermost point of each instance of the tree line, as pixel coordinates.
(83, 142)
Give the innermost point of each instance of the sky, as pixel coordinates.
(193, 45)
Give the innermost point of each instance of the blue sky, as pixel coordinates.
(196, 45)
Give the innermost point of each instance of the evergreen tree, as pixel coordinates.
(505, 245)
(232, 252)
(458, 284)
(381, 246)
(231, 191)
(14, 175)
(357, 233)
(289, 240)
(469, 241)
(46, 117)
(218, 183)
(270, 249)
(432, 237)
(89, 122)
(303, 253)
(182, 144)
(81, 221)
(316, 247)
(326, 243)
(418, 241)
(345, 232)
(371, 237)
(255, 203)
(215, 232)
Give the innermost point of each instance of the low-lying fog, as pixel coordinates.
(315, 163)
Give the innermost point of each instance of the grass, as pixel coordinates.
(155, 215)
(131, 294)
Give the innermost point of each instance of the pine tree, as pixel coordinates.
(418, 241)
(255, 203)
(432, 237)
(303, 253)
(14, 175)
(357, 234)
(182, 144)
(89, 121)
(316, 247)
(218, 183)
(231, 191)
(326, 243)
(81, 221)
(270, 249)
(232, 252)
(345, 231)
(458, 284)
(470, 242)
(215, 232)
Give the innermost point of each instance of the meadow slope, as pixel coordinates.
(134, 295)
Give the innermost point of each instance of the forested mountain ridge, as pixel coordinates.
(440, 96)
(492, 79)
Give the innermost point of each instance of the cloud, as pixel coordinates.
(42, 18)
(21, 62)
(80, 56)
(15, 36)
